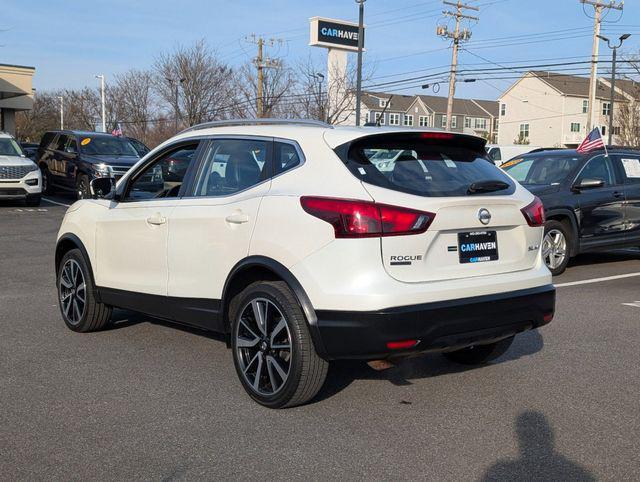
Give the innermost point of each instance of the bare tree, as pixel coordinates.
(628, 113)
(135, 103)
(45, 115)
(194, 83)
(278, 92)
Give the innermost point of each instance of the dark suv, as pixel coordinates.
(69, 160)
(592, 200)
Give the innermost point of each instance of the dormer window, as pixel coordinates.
(383, 102)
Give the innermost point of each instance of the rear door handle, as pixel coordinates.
(618, 194)
(156, 219)
(237, 218)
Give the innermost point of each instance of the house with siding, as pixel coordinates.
(550, 109)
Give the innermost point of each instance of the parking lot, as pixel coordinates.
(148, 400)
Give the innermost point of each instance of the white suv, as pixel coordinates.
(283, 236)
(19, 176)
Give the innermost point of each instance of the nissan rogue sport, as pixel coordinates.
(285, 237)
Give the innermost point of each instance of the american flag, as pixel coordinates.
(592, 142)
(117, 131)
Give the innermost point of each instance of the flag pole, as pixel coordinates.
(604, 144)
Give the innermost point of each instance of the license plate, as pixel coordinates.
(477, 246)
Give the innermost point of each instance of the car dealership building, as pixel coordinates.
(16, 94)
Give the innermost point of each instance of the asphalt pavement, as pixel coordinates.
(149, 400)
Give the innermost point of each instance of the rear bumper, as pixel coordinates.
(438, 326)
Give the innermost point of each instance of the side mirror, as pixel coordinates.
(102, 187)
(588, 183)
(70, 150)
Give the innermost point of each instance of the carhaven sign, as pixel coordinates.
(336, 34)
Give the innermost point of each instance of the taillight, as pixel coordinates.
(534, 212)
(365, 219)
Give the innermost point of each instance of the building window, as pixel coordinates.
(423, 120)
(408, 120)
(616, 130)
(379, 118)
(503, 109)
(383, 103)
(606, 108)
(444, 121)
(575, 127)
(524, 131)
(454, 122)
(467, 122)
(585, 106)
(480, 124)
(394, 119)
(603, 130)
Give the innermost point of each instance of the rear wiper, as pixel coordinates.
(486, 186)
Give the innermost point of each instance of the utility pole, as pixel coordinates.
(359, 68)
(614, 56)
(457, 36)
(261, 62)
(102, 102)
(176, 86)
(593, 80)
(61, 99)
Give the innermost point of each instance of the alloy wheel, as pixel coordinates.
(554, 248)
(263, 346)
(72, 291)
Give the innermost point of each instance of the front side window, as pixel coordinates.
(394, 119)
(575, 127)
(599, 168)
(233, 165)
(164, 177)
(408, 120)
(60, 142)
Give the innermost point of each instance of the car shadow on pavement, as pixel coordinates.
(343, 372)
(538, 457)
(617, 256)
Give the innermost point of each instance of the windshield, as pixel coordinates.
(541, 170)
(426, 167)
(106, 146)
(9, 147)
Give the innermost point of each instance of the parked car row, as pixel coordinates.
(64, 160)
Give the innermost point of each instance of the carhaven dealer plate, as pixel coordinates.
(477, 246)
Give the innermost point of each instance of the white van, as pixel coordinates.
(499, 154)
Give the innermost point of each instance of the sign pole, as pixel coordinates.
(359, 71)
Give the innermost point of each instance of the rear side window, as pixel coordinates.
(426, 164)
(59, 143)
(286, 157)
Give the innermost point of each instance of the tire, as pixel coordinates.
(79, 316)
(555, 246)
(286, 377)
(33, 200)
(83, 191)
(479, 354)
(47, 186)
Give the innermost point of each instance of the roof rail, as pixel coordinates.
(254, 122)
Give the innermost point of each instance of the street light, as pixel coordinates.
(614, 49)
(319, 78)
(61, 99)
(102, 102)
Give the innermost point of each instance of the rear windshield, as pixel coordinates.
(541, 170)
(425, 166)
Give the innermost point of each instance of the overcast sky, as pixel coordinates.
(69, 41)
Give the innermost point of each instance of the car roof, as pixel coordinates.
(573, 152)
(334, 135)
(80, 133)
